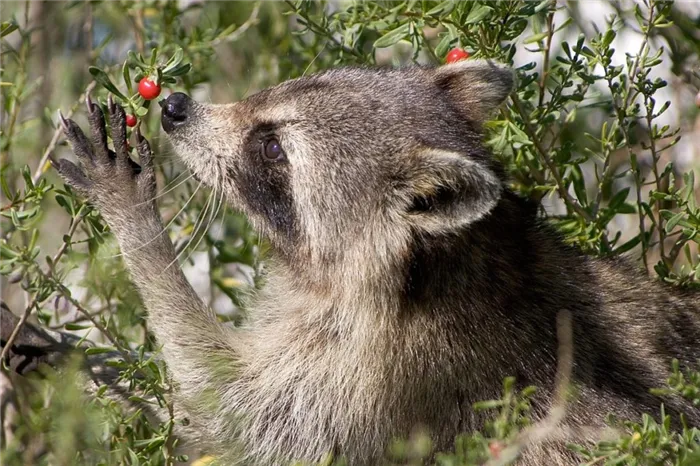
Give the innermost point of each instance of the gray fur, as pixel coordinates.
(406, 282)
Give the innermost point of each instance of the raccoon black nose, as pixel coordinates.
(176, 109)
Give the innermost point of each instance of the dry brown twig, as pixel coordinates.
(550, 427)
(235, 35)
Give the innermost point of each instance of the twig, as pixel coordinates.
(57, 134)
(561, 187)
(11, 205)
(252, 19)
(534, 170)
(545, 66)
(545, 428)
(22, 320)
(621, 120)
(320, 30)
(137, 21)
(67, 295)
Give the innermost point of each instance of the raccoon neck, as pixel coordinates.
(489, 266)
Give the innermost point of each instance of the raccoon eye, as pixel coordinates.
(272, 150)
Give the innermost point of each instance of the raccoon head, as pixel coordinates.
(352, 160)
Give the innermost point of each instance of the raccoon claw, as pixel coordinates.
(63, 121)
(88, 103)
(110, 104)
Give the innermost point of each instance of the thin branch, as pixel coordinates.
(546, 428)
(561, 187)
(251, 21)
(322, 31)
(547, 50)
(139, 29)
(57, 134)
(67, 295)
(631, 72)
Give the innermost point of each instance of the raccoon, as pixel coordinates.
(406, 280)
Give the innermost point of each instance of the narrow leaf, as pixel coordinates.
(7, 27)
(102, 78)
(673, 221)
(392, 37)
(477, 14)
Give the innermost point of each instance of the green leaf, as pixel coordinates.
(6, 252)
(5, 188)
(477, 14)
(138, 399)
(154, 56)
(174, 60)
(443, 46)
(179, 70)
(629, 245)
(489, 404)
(535, 38)
(392, 37)
(127, 77)
(134, 61)
(442, 9)
(76, 327)
(619, 198)
(102, 78)
(8, 27)
(579, 183)
(99, 350)
(25, 214)
(544, 4)
(673, 221)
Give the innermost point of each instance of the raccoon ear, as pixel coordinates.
(448, 191)
(477, 86)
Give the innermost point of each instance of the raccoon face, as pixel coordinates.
(350, 159)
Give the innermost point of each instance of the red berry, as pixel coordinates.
(130, 121)
(495, 448)
(456, 55)
(148, 89)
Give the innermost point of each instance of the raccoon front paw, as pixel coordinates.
(110, 179)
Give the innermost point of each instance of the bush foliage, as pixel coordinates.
(595, 132)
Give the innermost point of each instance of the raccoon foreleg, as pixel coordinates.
(196, 347)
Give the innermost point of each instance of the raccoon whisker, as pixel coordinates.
(183, 172)
(223, 216)
(247, 89)
(165, 228)
(212, 216)
(223, 201)
(198, 224)
(166, 191)
(314, 59)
